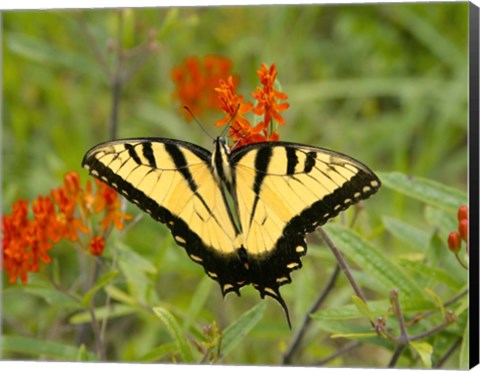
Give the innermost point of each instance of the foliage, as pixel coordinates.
(383, 83)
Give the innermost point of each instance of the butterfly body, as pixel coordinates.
(243, 215)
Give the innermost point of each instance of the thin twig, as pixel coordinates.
(98, 335)
(448, 354)
(455, 298)
(343, 264)
(287, 357)
(116, 81)
(145, 52)
(339, 352)
(397, 310)
(420, 316)
(93, 44)
(461, 262)
(396, 356)
(434, 330)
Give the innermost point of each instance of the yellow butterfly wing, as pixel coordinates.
(284, 191)
(173, 182)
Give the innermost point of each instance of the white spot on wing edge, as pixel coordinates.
(292, 265)
(195, 257)
(299, 249)
(227, 286)
(181, 240)
(271, 291)
(212, 274)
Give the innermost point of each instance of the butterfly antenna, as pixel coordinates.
(198, 122)
(230, 121)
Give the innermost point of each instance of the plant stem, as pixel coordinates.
(432, 331)
(287, 357)
(344, 349)
(448, 354)
(396, 356)
(98, 336)
(343, 264)
(397, 310)
(116, 81)
(94, 45)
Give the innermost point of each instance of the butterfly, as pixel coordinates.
(242, 214)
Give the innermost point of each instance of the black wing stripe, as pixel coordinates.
(148, 154)
(262, 160)
(181, 164)
(292, 160)
(310, 161)
(133, 154)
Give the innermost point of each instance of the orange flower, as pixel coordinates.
(195, 81)
(267, 97)
(241, 130)
(107, 198)
(26, 243)
(16, 256)
(232, 104)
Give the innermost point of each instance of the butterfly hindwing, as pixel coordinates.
(285, 191)
(173, 182)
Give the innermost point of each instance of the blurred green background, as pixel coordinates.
(386, 84)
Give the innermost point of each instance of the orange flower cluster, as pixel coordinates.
(241, 130)
(195, 81)
(61, 215)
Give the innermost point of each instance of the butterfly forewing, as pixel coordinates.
(173, 182)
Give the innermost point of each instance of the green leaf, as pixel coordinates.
(101, 282)
(424, 350)
(238, 330)
(386, 273)
(101, 313)
(348, 327)
(424, 190)
(82, 354)
(135, 260)
(119, 295)
(407, 233)
(376, 309)
(137, 271)
(441, 220)
(158, 353)
(176, 333)
(45, 349)
(40, 51)
(436, 299)
(438, 275)
(198, 301)
(363, 308)
(51, 295)
(464, 360)
(354, 335)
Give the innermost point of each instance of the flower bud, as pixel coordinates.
(454, 242)
(462, 213)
